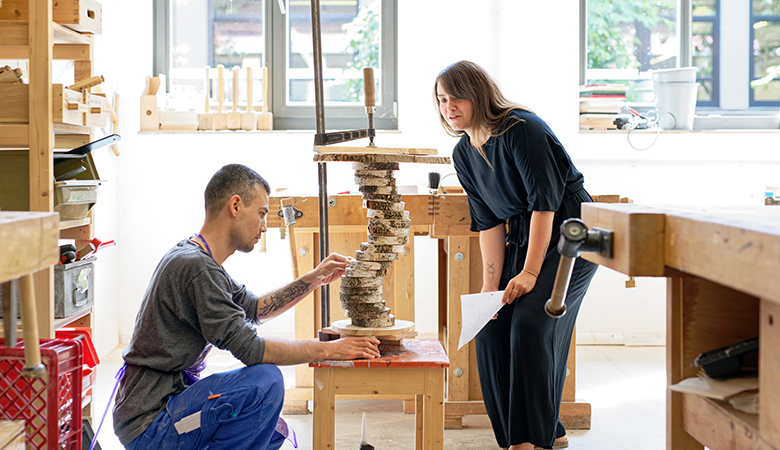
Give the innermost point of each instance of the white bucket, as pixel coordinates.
(677, 75)
(676, 104)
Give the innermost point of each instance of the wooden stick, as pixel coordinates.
(32, 351)
(368, 86)
(86, 84)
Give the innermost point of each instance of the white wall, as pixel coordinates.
(530, 48)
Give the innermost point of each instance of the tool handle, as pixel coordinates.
(86, 84)
(220, 87)
(368, 86)
(265, 89)
(236, 88)
(249, 89)
(208, 85)
(32, 350)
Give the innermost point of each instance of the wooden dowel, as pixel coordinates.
(86, 84)
(32, 351)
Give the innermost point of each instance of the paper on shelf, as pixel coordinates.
(721, 389)
(476, 310)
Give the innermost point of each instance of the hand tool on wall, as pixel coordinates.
(288, 213)
(220, 118)
(86, 84)
(249, 118)
(234, 117)
(206, 120)
(265, 120)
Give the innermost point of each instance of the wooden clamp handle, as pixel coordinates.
(249, 90)
(86, 84)
(368, 86)
(208, 85)
(220, 87)
(236, 79)
(32, 350)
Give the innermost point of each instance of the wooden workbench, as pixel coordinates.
(444, 217)
(722, 267)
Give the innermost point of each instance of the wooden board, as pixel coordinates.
(379, 158)
(29, 242)
(378, 150)
(12, 435)
(345, 327)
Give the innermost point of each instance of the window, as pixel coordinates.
(192, 34)
(734, 43)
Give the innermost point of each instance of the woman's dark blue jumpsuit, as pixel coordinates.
(522, 354)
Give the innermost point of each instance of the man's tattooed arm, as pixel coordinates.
(277, 302)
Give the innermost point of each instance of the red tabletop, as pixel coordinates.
(415, 353)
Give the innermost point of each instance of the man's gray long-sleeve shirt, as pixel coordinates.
(191, 301)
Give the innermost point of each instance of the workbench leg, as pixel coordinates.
(418, 418)
(304, 325)
(10, 312)
(433, 421)
(676, 437)
(459, 275)
(769, 371)
(324, 422)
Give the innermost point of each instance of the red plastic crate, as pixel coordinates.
(51, 405)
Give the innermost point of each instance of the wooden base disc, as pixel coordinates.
(401, 328)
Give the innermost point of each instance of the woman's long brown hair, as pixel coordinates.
(465, 79)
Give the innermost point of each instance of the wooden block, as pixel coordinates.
(382, 150)
(234, 120)
(769, 371)
(345, 328)
(30, 242)
(638, 241)
(295, 407)
(249, 121)
(265, 121)
(220, 121)
(150, 116)
(205, 121)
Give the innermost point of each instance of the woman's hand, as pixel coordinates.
(330, 269)
(518, 286)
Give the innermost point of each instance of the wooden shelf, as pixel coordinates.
(67, 224)
(15, 33)
(65, 321)
(717, 424)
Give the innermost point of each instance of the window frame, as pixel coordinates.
(293, 117)
(725, 99)
(752, 101)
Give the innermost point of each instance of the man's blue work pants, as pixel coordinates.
(241, 414)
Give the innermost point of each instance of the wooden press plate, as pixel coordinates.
(367, 157)
(381, 150)
(401, 329)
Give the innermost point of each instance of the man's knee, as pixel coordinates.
(270, 378)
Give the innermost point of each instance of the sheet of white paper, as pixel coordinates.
(476, 310)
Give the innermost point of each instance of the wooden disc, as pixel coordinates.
(345, 328)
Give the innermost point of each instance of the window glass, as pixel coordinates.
(627, 38)
(350, 39)
(765, 73)
(704, 54)
(214, 32)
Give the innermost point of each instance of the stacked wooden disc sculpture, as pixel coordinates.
(388, 231)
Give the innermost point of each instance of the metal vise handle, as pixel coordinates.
(575, 238)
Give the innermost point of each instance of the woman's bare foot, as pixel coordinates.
(561, 442)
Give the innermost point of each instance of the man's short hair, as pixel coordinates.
(230, 180)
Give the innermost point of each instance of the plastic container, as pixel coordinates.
(50, 406)
(676, 105)
(676, 75)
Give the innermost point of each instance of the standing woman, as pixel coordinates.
(521, 185)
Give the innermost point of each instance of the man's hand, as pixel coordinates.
(330, 269)
(354, 348)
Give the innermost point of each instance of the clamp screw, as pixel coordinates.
(332, 201)
(458, 372)
(405, 251)
(303, 251)
(459, 256)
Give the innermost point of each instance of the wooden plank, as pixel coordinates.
(638, 239)
(736, 248)
(769, 372)
(475, 285)
(12, 435)
(371, 157)
(377, 381)
(718, 426)
(458, 273)
(13, 32)
(14, 136)
(451, 210)
(29, 242)
(433, 420)
(324, 421)
(304, 311)
(15, 103)
(66, 52)
(378, 150)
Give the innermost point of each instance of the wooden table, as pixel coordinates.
(416, 368)
(444, 217)
(29, 245)
(722, 267)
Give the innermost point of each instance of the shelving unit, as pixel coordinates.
(28, 31)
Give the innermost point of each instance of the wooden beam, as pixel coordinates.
(769, 371)
(717, 425)
(66, 52)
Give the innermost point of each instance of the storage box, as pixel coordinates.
(68, 106)
(74, 287)
(50, 406)
(151, 100)
(84, 16)
(73, 198)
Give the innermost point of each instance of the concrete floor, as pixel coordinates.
(624, 385)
